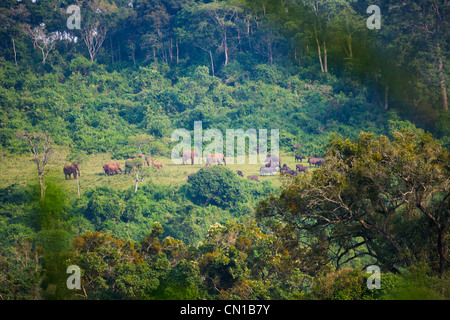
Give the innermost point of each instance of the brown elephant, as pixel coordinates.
(218, 158)
(112, 167)
(254, 178)
(190, 154)
(73, 168)
(157, 165)
(315, 161)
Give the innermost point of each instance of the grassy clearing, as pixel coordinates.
(22, 170)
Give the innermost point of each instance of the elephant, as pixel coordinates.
(73, 168)
(239, 172)
(157, 164)
(190, 154)
(296, 146)
(320, 161)
(301, 168)
(289, 171)
(112, 167)
(299, 157)
(255, 178)
(218, 158)
(315, 161)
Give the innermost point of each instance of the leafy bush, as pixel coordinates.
(216, 185)
(104, 204)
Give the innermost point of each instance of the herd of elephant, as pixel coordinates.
(272, 164)
(217, 158)
(110, 168)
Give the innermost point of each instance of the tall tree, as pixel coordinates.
(11, 23)
(325, 11)
(374, 197)
(98, 17)
(42, 39)
(223, 14)
(40, 146)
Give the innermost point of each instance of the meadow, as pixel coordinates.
(22, 169)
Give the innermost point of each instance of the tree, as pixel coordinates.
(12, 19)
(425, 42)
(374, 197)
(41, 39)
(137, 167)
(112, 268)
(216, 185)
(99, 16)
(325, 12)
(141, 140)
(223, 14)
(40, 146)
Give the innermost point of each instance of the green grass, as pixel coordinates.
(22, 170)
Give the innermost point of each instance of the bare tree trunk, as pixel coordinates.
(137, 180)
(171, 49)
(93, 37)
(212, 62)
(177, 52)
(386, 98)
(15, 54)
(112, 52)
(42, 185)
(318, 49)
(325, 56)
(350, 49)
(443, 85)
(40, 146)
(210, 56)
(225, 45)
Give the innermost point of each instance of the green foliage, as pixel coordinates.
(230, 64)
(389, 193)
(216, 185)
(104, 205)
(418, 283)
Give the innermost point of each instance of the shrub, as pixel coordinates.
(216, 185)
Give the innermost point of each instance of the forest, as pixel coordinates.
(91, 92)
